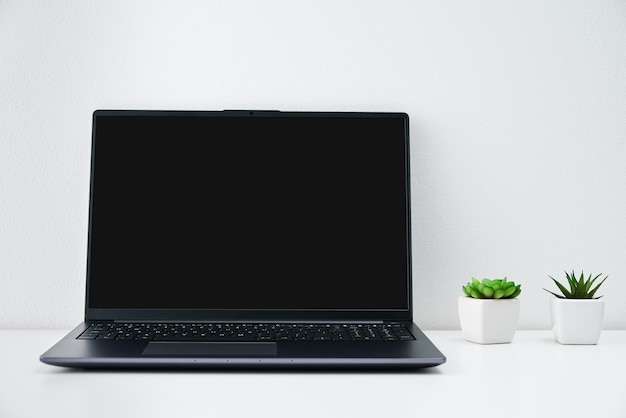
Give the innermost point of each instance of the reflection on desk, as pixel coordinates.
(534, 376)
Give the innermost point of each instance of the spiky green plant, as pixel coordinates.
(492, 289)
(578, 288)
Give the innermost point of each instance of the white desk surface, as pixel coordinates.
(534, 376)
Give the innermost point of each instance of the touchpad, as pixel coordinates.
(210, 349)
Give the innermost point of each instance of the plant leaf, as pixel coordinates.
(562, 288)
(518, 290)
(590, 282)
(580, 288)
(558, 296)
(572, 282)
(595, 289)
(509, 291)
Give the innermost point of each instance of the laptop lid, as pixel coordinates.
(249, 216)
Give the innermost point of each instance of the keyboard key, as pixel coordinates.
(248, 332)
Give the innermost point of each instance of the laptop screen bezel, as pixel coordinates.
(253, 315)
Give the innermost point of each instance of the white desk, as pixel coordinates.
(534, 376)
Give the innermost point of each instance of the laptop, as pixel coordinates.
(248, 239)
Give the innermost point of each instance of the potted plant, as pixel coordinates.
(489, 311)
(577, 313)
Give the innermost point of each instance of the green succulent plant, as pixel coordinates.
(492, 289)
(578, 288)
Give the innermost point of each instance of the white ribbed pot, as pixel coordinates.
(488, 321)
(577, 321)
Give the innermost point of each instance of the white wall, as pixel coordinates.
(517, 120)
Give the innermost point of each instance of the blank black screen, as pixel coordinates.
(203, 210)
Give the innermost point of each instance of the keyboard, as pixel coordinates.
(246, 332)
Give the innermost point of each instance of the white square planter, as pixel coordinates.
(488, 321)
(577, 321)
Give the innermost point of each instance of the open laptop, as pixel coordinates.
(225, 239)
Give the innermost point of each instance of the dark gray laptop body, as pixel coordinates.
(248, 217)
